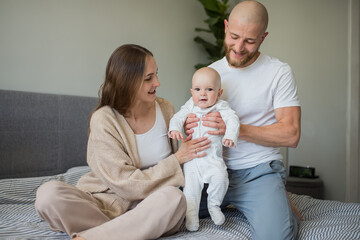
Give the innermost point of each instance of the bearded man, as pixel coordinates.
(263, 92)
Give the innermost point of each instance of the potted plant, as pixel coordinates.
(217, 11)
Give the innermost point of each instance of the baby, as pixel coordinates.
(206, 91)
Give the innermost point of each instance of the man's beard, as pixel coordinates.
(243, 61)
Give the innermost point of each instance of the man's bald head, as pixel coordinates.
(249, 11)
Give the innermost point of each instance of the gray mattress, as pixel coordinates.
(46, 135)
(323, 219)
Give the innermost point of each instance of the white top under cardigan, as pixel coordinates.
(154, 145)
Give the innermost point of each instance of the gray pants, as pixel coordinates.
(68, 209)
(259, 192)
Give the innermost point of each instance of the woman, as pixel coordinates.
(132, 189)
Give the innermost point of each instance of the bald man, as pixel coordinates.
(262, 91)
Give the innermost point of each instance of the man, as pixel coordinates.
(262, 91)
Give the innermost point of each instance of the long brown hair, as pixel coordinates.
(123, 77)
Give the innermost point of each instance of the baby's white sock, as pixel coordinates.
(216, 215)
(192, 217)
(192, 224)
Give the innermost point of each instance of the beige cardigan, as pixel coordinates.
(115, 179)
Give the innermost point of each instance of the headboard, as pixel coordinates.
(42, 134)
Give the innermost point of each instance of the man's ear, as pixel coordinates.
(264, 36)
(226, 23)
(220, 93)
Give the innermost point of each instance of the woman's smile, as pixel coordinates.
(152, 92)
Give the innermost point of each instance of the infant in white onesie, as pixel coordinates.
(206, 91)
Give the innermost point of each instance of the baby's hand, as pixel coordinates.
(228, 143)
(176, 135)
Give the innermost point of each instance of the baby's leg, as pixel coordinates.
(218, 185)
(192, 192)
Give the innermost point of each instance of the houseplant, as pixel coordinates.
(217, 11)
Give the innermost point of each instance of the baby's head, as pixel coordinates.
(206, 87)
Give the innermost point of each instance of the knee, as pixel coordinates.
(46, 195)
(175, 196)
(294, 227)
(290, 230)
(286, 229)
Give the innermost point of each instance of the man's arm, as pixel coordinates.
(284, 133)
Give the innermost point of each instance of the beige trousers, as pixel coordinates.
(75, 212)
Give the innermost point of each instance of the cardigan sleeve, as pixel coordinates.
(111, 156)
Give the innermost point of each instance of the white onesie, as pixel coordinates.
(210, 169)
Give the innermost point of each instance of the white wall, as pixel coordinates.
(353, 110)
(312, 37)
(62, 46)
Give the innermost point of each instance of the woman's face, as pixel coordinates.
(147, 91)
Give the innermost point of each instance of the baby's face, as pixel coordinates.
(205, 92)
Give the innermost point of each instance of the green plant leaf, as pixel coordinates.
(217, 11)
(200, 65)
(212, 5)
(211, 49)
(202, 30)
(213, 21)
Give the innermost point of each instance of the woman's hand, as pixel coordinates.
(190, 149)
(214, 120)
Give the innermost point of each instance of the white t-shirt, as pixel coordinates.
(154, 145)
(253, 93)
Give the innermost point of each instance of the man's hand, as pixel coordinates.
(190, 123)
(214, 120)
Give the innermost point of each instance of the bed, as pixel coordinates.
(43, 137)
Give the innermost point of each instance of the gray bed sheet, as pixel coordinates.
(323, 219)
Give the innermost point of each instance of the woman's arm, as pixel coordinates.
(113, 157)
